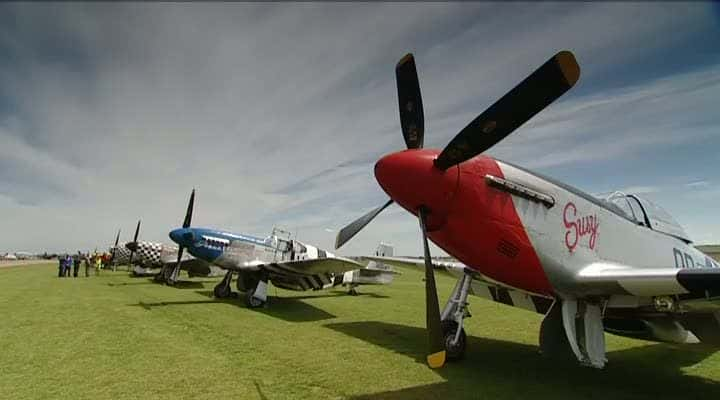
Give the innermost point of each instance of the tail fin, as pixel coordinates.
(384, 250)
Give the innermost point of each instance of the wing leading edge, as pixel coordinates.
(649, 281)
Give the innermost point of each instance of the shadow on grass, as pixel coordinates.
(339, 294)
(292, 309)
(501, 369)
(145, 282)
(288, 309)
(188, 285)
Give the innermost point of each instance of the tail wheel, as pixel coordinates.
(454, 351)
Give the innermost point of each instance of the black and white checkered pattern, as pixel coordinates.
(121, 254)
(149, 253)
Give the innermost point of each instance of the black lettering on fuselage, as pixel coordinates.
(689, 263)
(679, 260)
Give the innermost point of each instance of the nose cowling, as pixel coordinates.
(182, 236)
(410, 178)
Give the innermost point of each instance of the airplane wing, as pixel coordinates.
(314, 266)
(415, 262)
(611, 278)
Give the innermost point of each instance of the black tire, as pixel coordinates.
(252, 302)
(456, 352)
(221, 291)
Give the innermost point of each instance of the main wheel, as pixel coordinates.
(221, 291)
(251, 301)
(454, 352)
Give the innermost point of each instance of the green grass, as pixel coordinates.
(116, 337)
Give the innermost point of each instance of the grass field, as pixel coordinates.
(116, 337)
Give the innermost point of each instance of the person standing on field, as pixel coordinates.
(76, 265)
(86, 261)
(98, 264)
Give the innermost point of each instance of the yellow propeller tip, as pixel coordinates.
(436, 360)
(569, 66)
(407, 57)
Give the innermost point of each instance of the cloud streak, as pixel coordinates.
(276, 113)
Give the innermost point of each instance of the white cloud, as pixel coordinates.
(139, 103)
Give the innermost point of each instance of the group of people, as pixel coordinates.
(68, 264)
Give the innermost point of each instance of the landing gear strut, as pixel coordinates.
(352, 291)
(452, 317)
(222, 290)
(257, 297)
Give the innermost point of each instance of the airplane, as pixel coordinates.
(288, 264)
(119, 254)
(619, 264)
(154, 255)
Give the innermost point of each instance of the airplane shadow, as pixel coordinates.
(209, 293)
(188, 285)
(502, 369)
(150, 282)
(288, 309)
(340, 294)
(292, 309)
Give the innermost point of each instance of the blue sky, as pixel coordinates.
(276, 113)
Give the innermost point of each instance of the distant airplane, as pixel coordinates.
(619, 264)
(150, 256)
(288, 264)
(119, 254)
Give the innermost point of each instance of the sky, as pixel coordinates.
(276, 113)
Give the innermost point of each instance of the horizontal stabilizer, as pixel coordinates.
(415, 262)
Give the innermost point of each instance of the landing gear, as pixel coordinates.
(222, 290)
(352, 291)
(160, 277)
(452, 317)
(167, 274)
(454, 339)
(257, 297)
(252, 301)
(172, 276)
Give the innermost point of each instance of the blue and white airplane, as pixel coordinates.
(288, 264)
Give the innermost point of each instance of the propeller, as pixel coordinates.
(186, 224)
(545, 85)
(133, 245)
(112, 252)
(436, 358)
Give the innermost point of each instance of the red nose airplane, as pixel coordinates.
(619, 264)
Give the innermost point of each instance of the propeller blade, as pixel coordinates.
(436, 358)
(516, 107)
(137, 231)
(132, 250)
(354, 227)
(117, 240)
(412, 119)
(188, 214)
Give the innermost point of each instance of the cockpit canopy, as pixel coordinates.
(646, 213)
